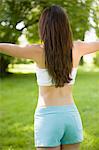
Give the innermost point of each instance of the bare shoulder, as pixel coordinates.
(83, 48)
(33, 51)
(75, 54)
(39, 53)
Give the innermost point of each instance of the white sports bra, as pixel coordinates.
(44, 79)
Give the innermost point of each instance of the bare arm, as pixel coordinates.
(84, 48)
(28, 51)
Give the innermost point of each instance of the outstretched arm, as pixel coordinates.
(84, 48)
(28, 51)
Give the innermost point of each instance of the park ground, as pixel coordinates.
(18, 102)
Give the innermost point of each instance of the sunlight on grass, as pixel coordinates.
(22, 68)
(89, 68)
(22, 128)
(10, 148)
(30, 68)
(19, 99)
(88, 139)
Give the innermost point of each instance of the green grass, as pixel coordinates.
(19, 95)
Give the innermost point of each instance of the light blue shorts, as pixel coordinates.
(56, 125)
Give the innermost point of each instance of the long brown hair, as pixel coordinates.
(55, 32)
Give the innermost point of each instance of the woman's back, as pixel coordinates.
(49, 95)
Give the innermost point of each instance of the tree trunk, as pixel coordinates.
(3, 66)
(81, 61)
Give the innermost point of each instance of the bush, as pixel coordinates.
(96, 59)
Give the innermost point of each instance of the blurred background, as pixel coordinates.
(19, 24)
(18, 87)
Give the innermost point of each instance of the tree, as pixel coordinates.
(13, 12)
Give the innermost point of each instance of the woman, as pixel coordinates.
(57, 122)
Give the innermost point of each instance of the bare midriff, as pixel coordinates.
(51, 96)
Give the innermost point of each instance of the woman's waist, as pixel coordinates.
(66, 109)
(54, 100)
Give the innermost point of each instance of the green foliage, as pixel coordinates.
(78, 13)
(95, 16)
(96, 59)
(13, 12)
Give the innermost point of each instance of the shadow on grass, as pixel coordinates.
(18, 75)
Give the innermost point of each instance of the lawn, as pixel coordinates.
(19, 92)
